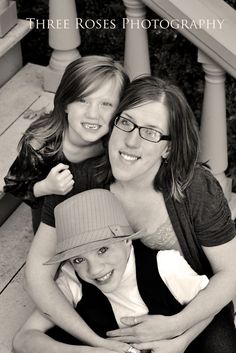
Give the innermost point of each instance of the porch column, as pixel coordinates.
(8, 16)
(64, 39)
(136, 41)
(213, 132)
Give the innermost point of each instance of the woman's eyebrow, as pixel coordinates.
(148, 125)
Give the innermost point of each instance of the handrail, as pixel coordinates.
(218, 44)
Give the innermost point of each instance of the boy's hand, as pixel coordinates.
(59, 180)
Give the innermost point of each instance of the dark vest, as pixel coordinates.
(96, 309)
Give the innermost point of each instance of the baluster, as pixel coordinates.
(213, 132)
(8, 16)
(136, 41)
(64, 40)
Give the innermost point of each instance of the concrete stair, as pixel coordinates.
(21, 99)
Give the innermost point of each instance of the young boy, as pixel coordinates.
(109, 279)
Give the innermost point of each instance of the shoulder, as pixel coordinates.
(204, 184)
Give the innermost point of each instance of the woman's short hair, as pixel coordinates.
(176, 171)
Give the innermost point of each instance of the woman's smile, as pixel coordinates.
(128, 157)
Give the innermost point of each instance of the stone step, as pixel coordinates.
(15, 305)
(21, 99)
(10, 50)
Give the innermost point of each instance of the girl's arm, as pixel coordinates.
(48, 297)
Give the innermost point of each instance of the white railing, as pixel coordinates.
(210, 25)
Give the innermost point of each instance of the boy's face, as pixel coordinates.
(103, 267)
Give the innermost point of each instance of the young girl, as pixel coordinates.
(85, 100)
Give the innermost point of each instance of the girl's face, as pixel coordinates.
(133, 158)
(103, 267)
(89, 117)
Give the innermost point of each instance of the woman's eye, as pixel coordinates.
(102, 250)
(151, 133)
(125, 122)
(78, 260)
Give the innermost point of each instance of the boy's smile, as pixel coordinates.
(103, 267)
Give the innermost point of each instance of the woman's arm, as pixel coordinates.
(219, 292)
(32, 339)
(41, 286)
(175, 345)
(48, 297)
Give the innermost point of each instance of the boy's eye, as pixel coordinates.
(78, 260)
(82, 100)
(106, 104)
(102, 250)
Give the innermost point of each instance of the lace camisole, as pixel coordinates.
(164, 238)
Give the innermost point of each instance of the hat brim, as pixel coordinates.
(77, 250)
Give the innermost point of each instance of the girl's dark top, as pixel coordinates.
(203, 218)
(29, 167)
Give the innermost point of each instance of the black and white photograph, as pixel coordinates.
(117, 176)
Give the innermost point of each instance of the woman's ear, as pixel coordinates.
(166, 151)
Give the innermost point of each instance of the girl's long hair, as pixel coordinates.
(81, 77)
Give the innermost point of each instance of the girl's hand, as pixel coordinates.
(146, 328)
(59, 181)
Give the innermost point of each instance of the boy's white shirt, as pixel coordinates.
(182, 281)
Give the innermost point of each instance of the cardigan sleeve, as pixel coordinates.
(27, 169)
(209, 209)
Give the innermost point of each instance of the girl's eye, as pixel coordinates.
(102, 250)
(78, 260)
(106, 104)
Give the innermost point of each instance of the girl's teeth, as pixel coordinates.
(104, 278)
(91, 126)
(129, 157)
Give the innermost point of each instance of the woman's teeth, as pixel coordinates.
(129, 157)
(105, 277)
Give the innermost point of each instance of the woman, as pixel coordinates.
(51, 147)
(153, 150)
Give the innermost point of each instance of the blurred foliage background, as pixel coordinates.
(172, 56)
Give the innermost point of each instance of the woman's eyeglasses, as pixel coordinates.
(146, 133)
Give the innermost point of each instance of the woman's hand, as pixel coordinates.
(175, 345)
(146, 328)
(117, 346)
(59, 181)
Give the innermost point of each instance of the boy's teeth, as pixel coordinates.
(104, 278)
(129, 157)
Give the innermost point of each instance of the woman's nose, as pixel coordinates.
(133, 138)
